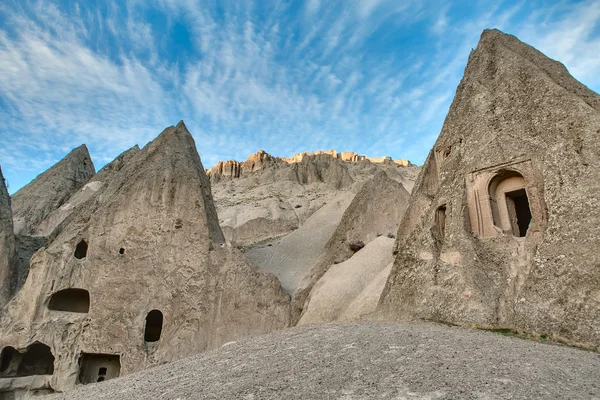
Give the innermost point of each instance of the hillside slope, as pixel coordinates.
(422, 361)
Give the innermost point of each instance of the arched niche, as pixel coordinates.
(509, 203)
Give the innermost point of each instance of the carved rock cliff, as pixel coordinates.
(503, 225)
(136, 274)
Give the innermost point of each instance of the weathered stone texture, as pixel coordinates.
(48, 191)
(516, 113)
(7, 242)
(96, 183)
(25, 246)
(153, 243)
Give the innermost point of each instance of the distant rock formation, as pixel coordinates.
(235, 169)
(136, 273)
(503, 227)
(262, 160)
(348, 156)
(47, 192)
(277, 197)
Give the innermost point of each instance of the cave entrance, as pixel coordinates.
(519, 212)
(81, 250)
(70, 300)
(440, 222)
(36, 360)
(154, 323)
(98, 367)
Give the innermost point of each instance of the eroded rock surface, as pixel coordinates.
(48, 191)
(350, 290)
(503, 225)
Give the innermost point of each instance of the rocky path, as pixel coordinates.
(385, 361)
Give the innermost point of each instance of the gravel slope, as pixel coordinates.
(387, 361)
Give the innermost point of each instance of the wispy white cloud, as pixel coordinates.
(375, 76)
(569, 34)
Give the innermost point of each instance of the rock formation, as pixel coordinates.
(262, 160)
(503, 225)
(277, 197)
(291, 256)
(138, 265)
(136, 274)
(7, 242)
(47, 192)
(374, 213)
(89, 190)
(236, 169)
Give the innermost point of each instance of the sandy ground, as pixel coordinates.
(384, 361)
(291, 256)
(346, 289)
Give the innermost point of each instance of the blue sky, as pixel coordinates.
(371, 76)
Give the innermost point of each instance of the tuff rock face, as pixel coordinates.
(137, 273)
(503, 225)
(34, 202)
(7, 242)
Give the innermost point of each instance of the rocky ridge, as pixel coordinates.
(261, 160)
(278, 197)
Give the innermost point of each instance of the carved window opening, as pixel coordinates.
(36, 360)
(518, 211)
(98, 367)
(509, 202)
(440, 222)
(81, 250)
(153, 329)
(70, 300)
(121, 251)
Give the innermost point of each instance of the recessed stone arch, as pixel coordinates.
(509, 202)
(506, 199)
